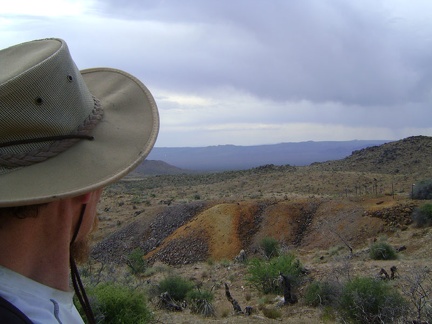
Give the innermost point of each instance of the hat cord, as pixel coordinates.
(46, 139)
(59, 143)
(76, 279)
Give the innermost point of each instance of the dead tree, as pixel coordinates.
(383, 274)
(165, 301)
(393, 270)
(289, 298)
(241, 257)
(344, 241)
(236, 306)
(401, 248)
(330, 228)
(248, 310)
(417, 287)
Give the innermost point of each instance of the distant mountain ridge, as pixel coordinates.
(156, 167)
(232, 157)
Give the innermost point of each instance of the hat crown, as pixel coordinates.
(65, 132)
(42, 94)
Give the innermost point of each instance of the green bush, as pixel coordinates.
(422, 216)
(322, 293)
(113, 303)
(264, 274)
(196, 294)
(135, 261)
(270, 247)
(382, 251)
(422, 190)
(367, 300)
(176, 286)
(200, 302)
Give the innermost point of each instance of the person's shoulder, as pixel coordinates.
(10, 314)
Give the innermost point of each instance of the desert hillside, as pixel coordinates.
(317, 212)
(410, 156)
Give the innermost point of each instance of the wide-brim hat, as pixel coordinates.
(65, 132)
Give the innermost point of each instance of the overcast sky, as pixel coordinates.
(249, 72)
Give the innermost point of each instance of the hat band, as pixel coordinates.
(59, 143)
(46, 139)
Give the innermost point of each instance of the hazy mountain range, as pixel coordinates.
(232, 157)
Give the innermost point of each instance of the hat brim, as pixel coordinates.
(122, 139)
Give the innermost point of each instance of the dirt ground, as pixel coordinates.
(319, 231)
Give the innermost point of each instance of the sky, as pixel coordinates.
(252, 72)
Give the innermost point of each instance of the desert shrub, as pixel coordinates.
(270, 247)
(264, 274)
(176, 286)
(417, 288)
(225, 313)
(135, 261)
(114, 303)
(382, 251)
(368, 300)
(329, 314)
(322, 293)
(200, 302)
(422, 190)
(265, 300)
(199, 294)
(225, 263)
(422, 216)
(335, 250)
(272, 313)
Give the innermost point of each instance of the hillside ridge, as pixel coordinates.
(407, 156)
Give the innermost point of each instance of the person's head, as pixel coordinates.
(64, 135)
(66, 132)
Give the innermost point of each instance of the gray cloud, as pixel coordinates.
(285, 50)
(264, 66)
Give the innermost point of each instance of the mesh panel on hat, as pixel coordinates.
(50, 98)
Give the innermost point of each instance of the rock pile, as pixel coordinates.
(399, 216)
(117, 246)
(183, 251)
(168, 221)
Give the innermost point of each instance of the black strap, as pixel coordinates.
(9, 314)
(75, 276)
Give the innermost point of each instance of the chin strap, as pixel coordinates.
(76, 280)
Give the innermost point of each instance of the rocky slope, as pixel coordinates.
(198, 231)
(408, 156)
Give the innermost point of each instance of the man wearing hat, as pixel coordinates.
(64, 135)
